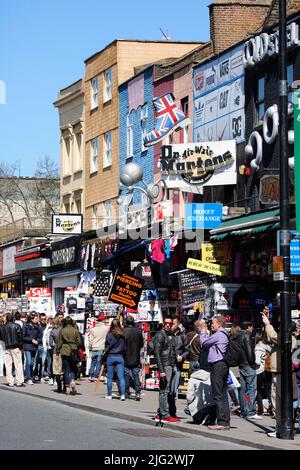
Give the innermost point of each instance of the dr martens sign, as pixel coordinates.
(204, 164)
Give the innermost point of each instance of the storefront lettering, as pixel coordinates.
(63, 256)
(266, 45)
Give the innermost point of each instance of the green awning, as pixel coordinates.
(259, 222)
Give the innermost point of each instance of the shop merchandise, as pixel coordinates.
(102, 283)
(86, 280)
(143, 271)
(241, 299)
(157, 250)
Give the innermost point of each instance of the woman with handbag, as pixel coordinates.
(57, 362)
(114, 352)
(68, 344)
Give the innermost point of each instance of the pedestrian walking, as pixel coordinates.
(11, 335)
(32, 335)
(133, 343)
(68, 344)
(57, 361)
(182, 353)
(96, 343)
(217, 344)
(165, 355)
(115, 351)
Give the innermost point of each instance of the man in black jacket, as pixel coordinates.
(133, 342)
(165, 355)
(247, 368)
(182, 353)
(11, 335)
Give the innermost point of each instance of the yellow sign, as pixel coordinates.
(4, 295)
(215, 252)
(209, 268)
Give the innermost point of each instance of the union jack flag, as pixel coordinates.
(168, 116)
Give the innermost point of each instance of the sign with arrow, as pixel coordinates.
(126, 290)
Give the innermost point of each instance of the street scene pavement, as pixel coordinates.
(243, 432)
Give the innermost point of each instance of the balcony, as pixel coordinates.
(33, 227)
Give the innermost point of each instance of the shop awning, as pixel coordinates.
(127, 248)
(70, 272)
(250, 224)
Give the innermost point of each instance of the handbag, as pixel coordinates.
(74, 355)
(57, 365)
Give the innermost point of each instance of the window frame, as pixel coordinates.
(129, 135)
(94, 94)
(258, 102)
(107, 92)
(94, 156)
(107, 162)
(144, 118)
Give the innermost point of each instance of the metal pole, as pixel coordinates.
(285, 428)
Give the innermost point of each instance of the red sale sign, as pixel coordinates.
(40, 292)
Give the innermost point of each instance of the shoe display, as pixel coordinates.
(218, 427)
(168, 117)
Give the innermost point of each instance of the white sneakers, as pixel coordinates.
(108, 397)
(122, 397)
(256, 416)
(29, 382)
(272, 434)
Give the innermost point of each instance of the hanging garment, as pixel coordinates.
(86, 259)
(82, 257)
(143, 271)
(93, 250)
(157, 250)
(167, 248)
(102, 284)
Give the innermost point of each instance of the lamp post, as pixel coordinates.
(285, 429)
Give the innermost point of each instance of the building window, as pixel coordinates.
(67, 208)
(290, 79)
(94, 94)
(67, 155)
(129, 136)
(107, 160)
(107, 212)
(107, 85)
(78, 206)
(185, 109)
(259, 99)
(78, 151)
(95, 216)
(94, 155)
(144, 117)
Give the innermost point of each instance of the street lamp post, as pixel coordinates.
(285, 429)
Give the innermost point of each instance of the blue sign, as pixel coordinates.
(295, 254)
(200, 216)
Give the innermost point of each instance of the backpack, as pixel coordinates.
(233, 352)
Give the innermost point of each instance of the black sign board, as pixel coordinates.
(126, 290)
(192, 286)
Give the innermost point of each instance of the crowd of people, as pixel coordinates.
(233, 371)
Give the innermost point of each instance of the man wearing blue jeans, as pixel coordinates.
(96, 346)
(134, 342)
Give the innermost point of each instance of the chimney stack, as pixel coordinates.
(233, 20)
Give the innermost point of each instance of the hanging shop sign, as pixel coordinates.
(215, 252)
(266, 45)
(40, 291)
(205, 267)
(297, 152)
(269, 189)
(66, 224)
(40, 300)
(219, 98)
(8, 260)
(192, 287)
(203, 216)
(188, 166)
(126, 290)
(135, 217)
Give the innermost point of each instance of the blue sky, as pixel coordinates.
(43, 45)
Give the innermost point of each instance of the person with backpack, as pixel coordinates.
(217, 344)
(248, 378)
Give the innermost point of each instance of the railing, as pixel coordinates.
(27, 227)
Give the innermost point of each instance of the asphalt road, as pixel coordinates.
(29, 423)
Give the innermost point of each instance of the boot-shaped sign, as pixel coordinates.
(168, 118)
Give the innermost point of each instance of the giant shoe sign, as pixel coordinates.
(189, 167)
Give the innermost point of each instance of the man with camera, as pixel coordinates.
(165, 355)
